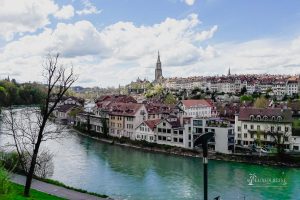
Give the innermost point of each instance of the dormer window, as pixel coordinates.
(279, 118)
(273, 118)
(252, 117)
(258, 117)
(265, 117)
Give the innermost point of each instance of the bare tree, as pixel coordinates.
(30, 127)
(280, 137)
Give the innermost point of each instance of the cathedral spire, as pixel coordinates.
(229, 72)
(158, 58)
(158, 70)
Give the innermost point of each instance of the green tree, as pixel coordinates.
(3, 96)
(261, 102)
(243, 90)
(170, 99)
(246, 98)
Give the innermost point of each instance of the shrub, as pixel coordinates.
(5, 185)
(10, 161)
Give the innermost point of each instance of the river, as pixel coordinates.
(125, 173)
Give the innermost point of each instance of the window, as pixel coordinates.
(198, 130)
(180, 132)
(258, 117)
(272, 128)
(159, 137)
(180, 140)
(265, 136)
(279, 128)
(251, 127)
(175, 139)
(239, 128)
(197, 122)
(245, 135)
(159, 130)
(273, 118)
(168, 130)
(287, 129)
(258, 127)
(239, 135)
(164, 123)
(252, 117)
(245, 126)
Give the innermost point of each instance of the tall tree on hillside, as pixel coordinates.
(35, 127)
(261, 102)
(170, 99)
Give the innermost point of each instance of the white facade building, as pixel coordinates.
(223, 140)
(196, 108)
(258, 124)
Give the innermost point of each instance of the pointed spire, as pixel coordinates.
(158, 57)
(229, 72)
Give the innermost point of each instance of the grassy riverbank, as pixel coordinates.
(286, 160)
(16, 193)
(9, 161)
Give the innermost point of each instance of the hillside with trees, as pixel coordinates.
(13, 93)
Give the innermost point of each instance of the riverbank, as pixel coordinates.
(16, 192)
(286, 161)
(53, 190)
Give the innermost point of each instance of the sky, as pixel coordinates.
(112, 42)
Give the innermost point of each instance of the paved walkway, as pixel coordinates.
(54, 190)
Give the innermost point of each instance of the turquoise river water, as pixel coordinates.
(126, 173)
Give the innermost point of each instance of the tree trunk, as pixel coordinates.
(32, 167)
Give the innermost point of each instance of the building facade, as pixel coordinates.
(260, 125)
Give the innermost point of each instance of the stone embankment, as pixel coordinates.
(243, 158)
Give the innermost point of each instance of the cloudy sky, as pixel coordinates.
(111, 42)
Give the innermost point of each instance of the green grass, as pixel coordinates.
(16, 193)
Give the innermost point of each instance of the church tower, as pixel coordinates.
(158, 70)
(229, 72)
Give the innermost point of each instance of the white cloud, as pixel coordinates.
(123, 51)
(66, 12)
(189, 2)
(88, 9)
(19, 16)
(204, 35)
(70, 40)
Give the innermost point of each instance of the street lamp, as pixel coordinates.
(203, 139)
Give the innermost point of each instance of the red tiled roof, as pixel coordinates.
(124, 109)
(245, 114)
(195, 103)
(116, 98)
(152, 123)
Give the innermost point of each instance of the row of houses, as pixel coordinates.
(181, 124)
(277, 85)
